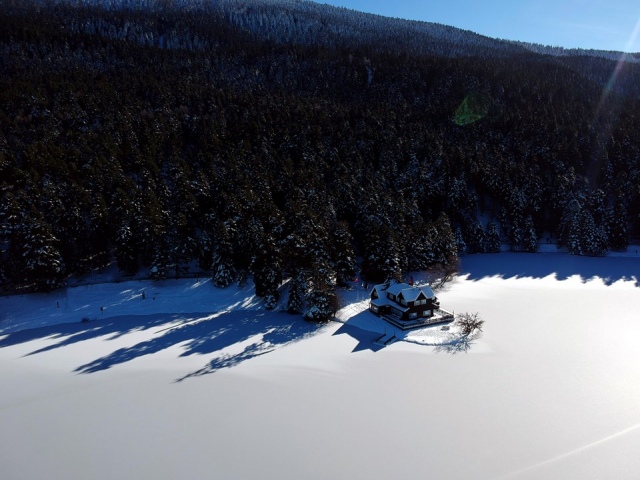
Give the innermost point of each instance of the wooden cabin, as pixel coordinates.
(403, 301)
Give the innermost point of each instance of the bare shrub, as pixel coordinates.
(469, 323)
(441, 273)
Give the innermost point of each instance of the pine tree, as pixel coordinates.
(515, 234)
(529, 236)
(343, 256)
(618, 225)
(570, 229)
(492, 238)
(97, 253)
(125, 250)
(297, 287)
(381, 255)
(43, 268)
(160, 261)
(321, 298)
(267, 271)
(223, 271)
(421, 249)
(593, 238)
(205, 250)
(183, 249)
(461, 246)
(11, 222)
(149, 228)
(475, 236)
(445, 249)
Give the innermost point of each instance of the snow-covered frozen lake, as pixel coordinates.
(199, 383)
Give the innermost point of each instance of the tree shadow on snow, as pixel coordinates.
(561, 266)
(460, 345)
(71, 333)
(232, 336)
(255, 333)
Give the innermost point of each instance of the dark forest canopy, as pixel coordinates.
(285, 141)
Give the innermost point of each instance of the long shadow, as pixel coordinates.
(256, 333)
(70, 333)
(262, 333)
(560, 265)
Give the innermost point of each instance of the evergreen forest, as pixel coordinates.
(286, 140)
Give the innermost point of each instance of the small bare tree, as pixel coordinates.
(469, 323)
(441, 273)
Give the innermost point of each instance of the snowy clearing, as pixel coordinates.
(196, 382)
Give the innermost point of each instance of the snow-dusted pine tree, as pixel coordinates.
(421, 250)
(593, 238)
(492, 238)
(515, 234)
(321, 295)
(160, 262)
(11, 220)
(43, 265)
(222, 271)
(343, 256)
(267, 271)
(125, 251)
(381, 260)
(475, 236)
(297, 287)
(444, 243)
(618, 226)
(529, 236)
(570, 229)
(460, 243)
(205, 250)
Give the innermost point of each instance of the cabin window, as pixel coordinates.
(413, 315)
(374, 308)
(391, 296)
(403, 302)
(427, 313)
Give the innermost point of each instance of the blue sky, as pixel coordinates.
(599, 24)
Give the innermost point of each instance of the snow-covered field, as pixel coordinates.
(199, 383)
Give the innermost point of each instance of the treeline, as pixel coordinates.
(164, 139)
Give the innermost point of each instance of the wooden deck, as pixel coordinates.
(440, 316)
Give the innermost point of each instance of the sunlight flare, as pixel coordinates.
(624, 56)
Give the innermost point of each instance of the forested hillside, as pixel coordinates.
(286, 139)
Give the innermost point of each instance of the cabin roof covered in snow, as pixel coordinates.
(409, 292)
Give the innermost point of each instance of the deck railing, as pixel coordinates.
(445, 315)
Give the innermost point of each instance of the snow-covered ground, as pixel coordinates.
(200, 383)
